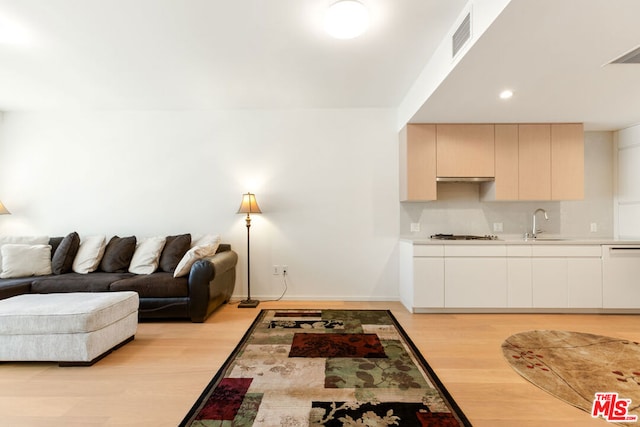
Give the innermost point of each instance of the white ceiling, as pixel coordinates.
(209, 54)
(551, 54)
(203, 54)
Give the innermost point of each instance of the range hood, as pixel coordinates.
(465, 179)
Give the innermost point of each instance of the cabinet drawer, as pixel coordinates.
(566, 250)
(475, 250)
(519, 251)
(428, 250)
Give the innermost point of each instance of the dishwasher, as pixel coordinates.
(621, 276)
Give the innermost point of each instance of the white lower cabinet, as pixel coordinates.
(475, 276)
(549, 282)
(519, 281)
(566, 276)
(585, 282)
(421, 276)
(475, 282)
(524, 276)
(430, 292)
(621, 273)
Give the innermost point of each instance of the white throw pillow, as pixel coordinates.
(147, 255)
(23, 240)
(25, 260)
(89, 254)
(205, 246)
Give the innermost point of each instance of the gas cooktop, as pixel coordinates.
(462, 237)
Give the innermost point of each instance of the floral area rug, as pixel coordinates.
(325, 368)
(598, 374)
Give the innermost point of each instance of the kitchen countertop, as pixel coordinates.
(507, 240)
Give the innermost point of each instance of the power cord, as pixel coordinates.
(284, 283)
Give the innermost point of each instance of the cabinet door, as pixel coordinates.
(550, 283)
(584, 282)
(428, 285)
(534, 161)
(620, 273)
(465, 150)
(475, 282)
(506, 158)
(567, 161)
(519, 291)
(418, 163)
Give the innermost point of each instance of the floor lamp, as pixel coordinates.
(249, 205)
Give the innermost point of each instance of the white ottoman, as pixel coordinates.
(69, 328)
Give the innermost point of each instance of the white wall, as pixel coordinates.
(627, 197)
(459, 210)
(326, 180)
(483, 13)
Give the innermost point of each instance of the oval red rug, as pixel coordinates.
(598, 374)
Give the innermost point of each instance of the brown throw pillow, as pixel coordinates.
(65, 253)
(173, 251)
(118, 254)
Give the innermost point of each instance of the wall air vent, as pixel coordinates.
(632, 57)
(461, 35)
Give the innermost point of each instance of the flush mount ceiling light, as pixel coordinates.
(346, 19)
(506, 94)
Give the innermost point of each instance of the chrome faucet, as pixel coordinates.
(534, 227)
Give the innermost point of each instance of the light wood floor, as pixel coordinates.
(154, 380)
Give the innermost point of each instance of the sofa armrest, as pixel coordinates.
(211, 280)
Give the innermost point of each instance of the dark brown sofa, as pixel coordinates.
(208, 285)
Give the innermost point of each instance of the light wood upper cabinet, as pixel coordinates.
(507, 167)
(534, 162)
(567, 161)
(465, 150)
(418, 163)
(538, 162)
(528, 161)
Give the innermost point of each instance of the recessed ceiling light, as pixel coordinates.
(506, 94)
(346, 19)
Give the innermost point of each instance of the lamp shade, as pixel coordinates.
(249, 204)
(3, 210)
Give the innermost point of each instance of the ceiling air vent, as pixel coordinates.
(462, 35)
(632, 57)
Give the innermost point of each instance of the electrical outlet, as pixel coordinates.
(285, 269)
(497, 227)
(594, 227)
(276, 270)
(415, 226)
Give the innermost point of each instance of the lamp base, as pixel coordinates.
(248, 303)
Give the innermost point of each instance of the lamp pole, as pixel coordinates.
(249, 205)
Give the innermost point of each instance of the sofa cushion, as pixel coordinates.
(65, 253)
(118, 254)
(25, 240)
(76, 282)
(147, 255)
(54, 242)
(173, 251)
(25, 260)
(89, 254)
(157, 285)
(204, 247)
